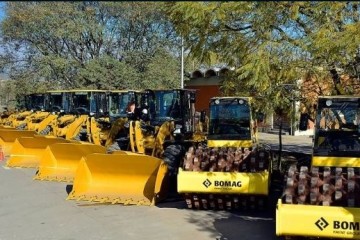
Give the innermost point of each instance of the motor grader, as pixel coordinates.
(322, 199)
(158, 147)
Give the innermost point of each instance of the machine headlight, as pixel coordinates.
(328, 103)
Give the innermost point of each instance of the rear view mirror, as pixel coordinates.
(202, 116)
(304, 118)
(260, 117)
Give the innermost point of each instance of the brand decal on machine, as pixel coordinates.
(222, 184)
(340, 227)
(207, 183)
(321, 223)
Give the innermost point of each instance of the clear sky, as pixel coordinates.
(2, 10)
(2, 16)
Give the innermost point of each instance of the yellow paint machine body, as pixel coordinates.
(123, 177)
(325, 200)
(27, 151)
(60, 161)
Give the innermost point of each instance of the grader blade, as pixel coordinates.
(8, 137)
(60, 161)
(126, 178)
(27, 151)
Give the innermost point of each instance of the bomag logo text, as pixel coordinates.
(227, 183)
(346, 225)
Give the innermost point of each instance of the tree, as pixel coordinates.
(86, 44)
(272, 43)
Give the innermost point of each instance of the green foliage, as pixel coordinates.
(106, 70)
(135, 45)
(154, 76)
(271, 44)
(104, 45)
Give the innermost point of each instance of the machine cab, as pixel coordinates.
(123, 104)
(88, 102)
(230, 119)
(55, 101)
(337, 129)
(171, 105)
(35, 102)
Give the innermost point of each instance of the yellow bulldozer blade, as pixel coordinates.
(60, 161)
(27, 151)
(8, 137)
(123, 177)
(7, 127)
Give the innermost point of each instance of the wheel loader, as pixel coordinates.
(166, 118)
(81, 106)
(8, 134)
(27, 143)
(143, 175)
(8, 115)
(44, 115)
(59, 161)
(322, 199)
(37, 109)
(33, 102)
(124, 105)
(44, 110)
(78, 109)
(41, 115)
(124, 108)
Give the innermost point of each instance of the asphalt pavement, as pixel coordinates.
(299, 144)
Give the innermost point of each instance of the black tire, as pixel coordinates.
(173, 155)
(121, 143)
(21, 126)
(45, 131)
(112, 148)
(81, 136)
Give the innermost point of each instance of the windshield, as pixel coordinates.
(35, 102)
(229, 120)
(165, 105)
(54, 102)
(120, 104)
(337, 128)
(81, 102)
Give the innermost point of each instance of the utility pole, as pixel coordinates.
(291, 87)
(182, 62)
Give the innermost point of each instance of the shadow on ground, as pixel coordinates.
(237, 224)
